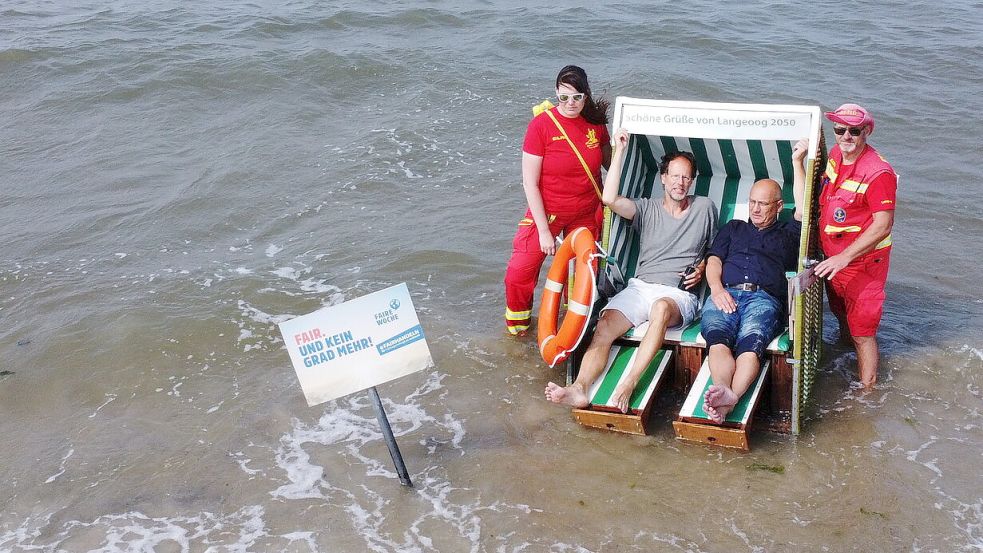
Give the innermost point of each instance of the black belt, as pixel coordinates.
(745, 286)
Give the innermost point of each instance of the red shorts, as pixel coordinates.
(856, 293)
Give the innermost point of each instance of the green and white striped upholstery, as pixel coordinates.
(693, 406)
(619, 362)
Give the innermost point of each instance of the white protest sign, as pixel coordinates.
(355, 345)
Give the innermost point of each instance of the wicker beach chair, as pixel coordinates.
(734, 145)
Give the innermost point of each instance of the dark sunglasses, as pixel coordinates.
(854, 131)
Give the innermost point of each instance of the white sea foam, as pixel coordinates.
(272, 250)
(975, 351)
(110, 397)
(350, 425)
(311, 285)
(61, 469)
(237, 532)
(286, 272)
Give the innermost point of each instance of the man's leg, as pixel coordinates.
(864, 300)
(611, 325)
(665, 313)
(726, 396)
(838, 308)
(758, 314)
(868, 357)
(719, 329)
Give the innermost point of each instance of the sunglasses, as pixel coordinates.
(579, 97)
(854, 131)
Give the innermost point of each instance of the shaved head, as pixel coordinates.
(768, 187)
(764, 203)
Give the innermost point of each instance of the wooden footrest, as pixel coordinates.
(602, 413)
(693, 424)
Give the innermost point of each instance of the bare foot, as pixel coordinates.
(718, 402)
(621, 396)
(713, 395)
(572, 395)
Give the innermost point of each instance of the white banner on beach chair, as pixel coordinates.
(716, 121)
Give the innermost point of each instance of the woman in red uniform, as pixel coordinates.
(561, 187)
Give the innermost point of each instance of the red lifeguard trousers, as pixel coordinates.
(522, 272)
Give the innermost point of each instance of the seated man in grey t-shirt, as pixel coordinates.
(675, 231)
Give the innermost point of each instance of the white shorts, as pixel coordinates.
(636, 300)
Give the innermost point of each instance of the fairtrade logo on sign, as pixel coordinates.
(389, 315)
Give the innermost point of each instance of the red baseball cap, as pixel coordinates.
(851, 115)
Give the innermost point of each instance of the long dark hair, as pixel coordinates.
(595, 110)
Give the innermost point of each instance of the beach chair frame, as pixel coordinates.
(734, 145)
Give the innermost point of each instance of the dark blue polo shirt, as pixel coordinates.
(758, 256)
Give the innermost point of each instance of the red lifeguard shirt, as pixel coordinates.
(563, 182)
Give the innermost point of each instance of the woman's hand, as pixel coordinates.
(547, 243)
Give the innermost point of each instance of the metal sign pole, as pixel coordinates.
(387, 432)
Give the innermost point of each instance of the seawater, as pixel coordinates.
(177, 179)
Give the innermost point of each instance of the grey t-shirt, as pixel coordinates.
(669, 245)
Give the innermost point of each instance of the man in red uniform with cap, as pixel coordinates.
(855, 219)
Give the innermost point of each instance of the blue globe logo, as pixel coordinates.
(394, 304)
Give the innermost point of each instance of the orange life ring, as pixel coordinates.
(555, 346)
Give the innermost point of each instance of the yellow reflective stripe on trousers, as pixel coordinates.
(883, 243)
(517, 315)
(830, 229)
(515, 329)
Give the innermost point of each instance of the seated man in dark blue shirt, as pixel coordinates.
(746, 274)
